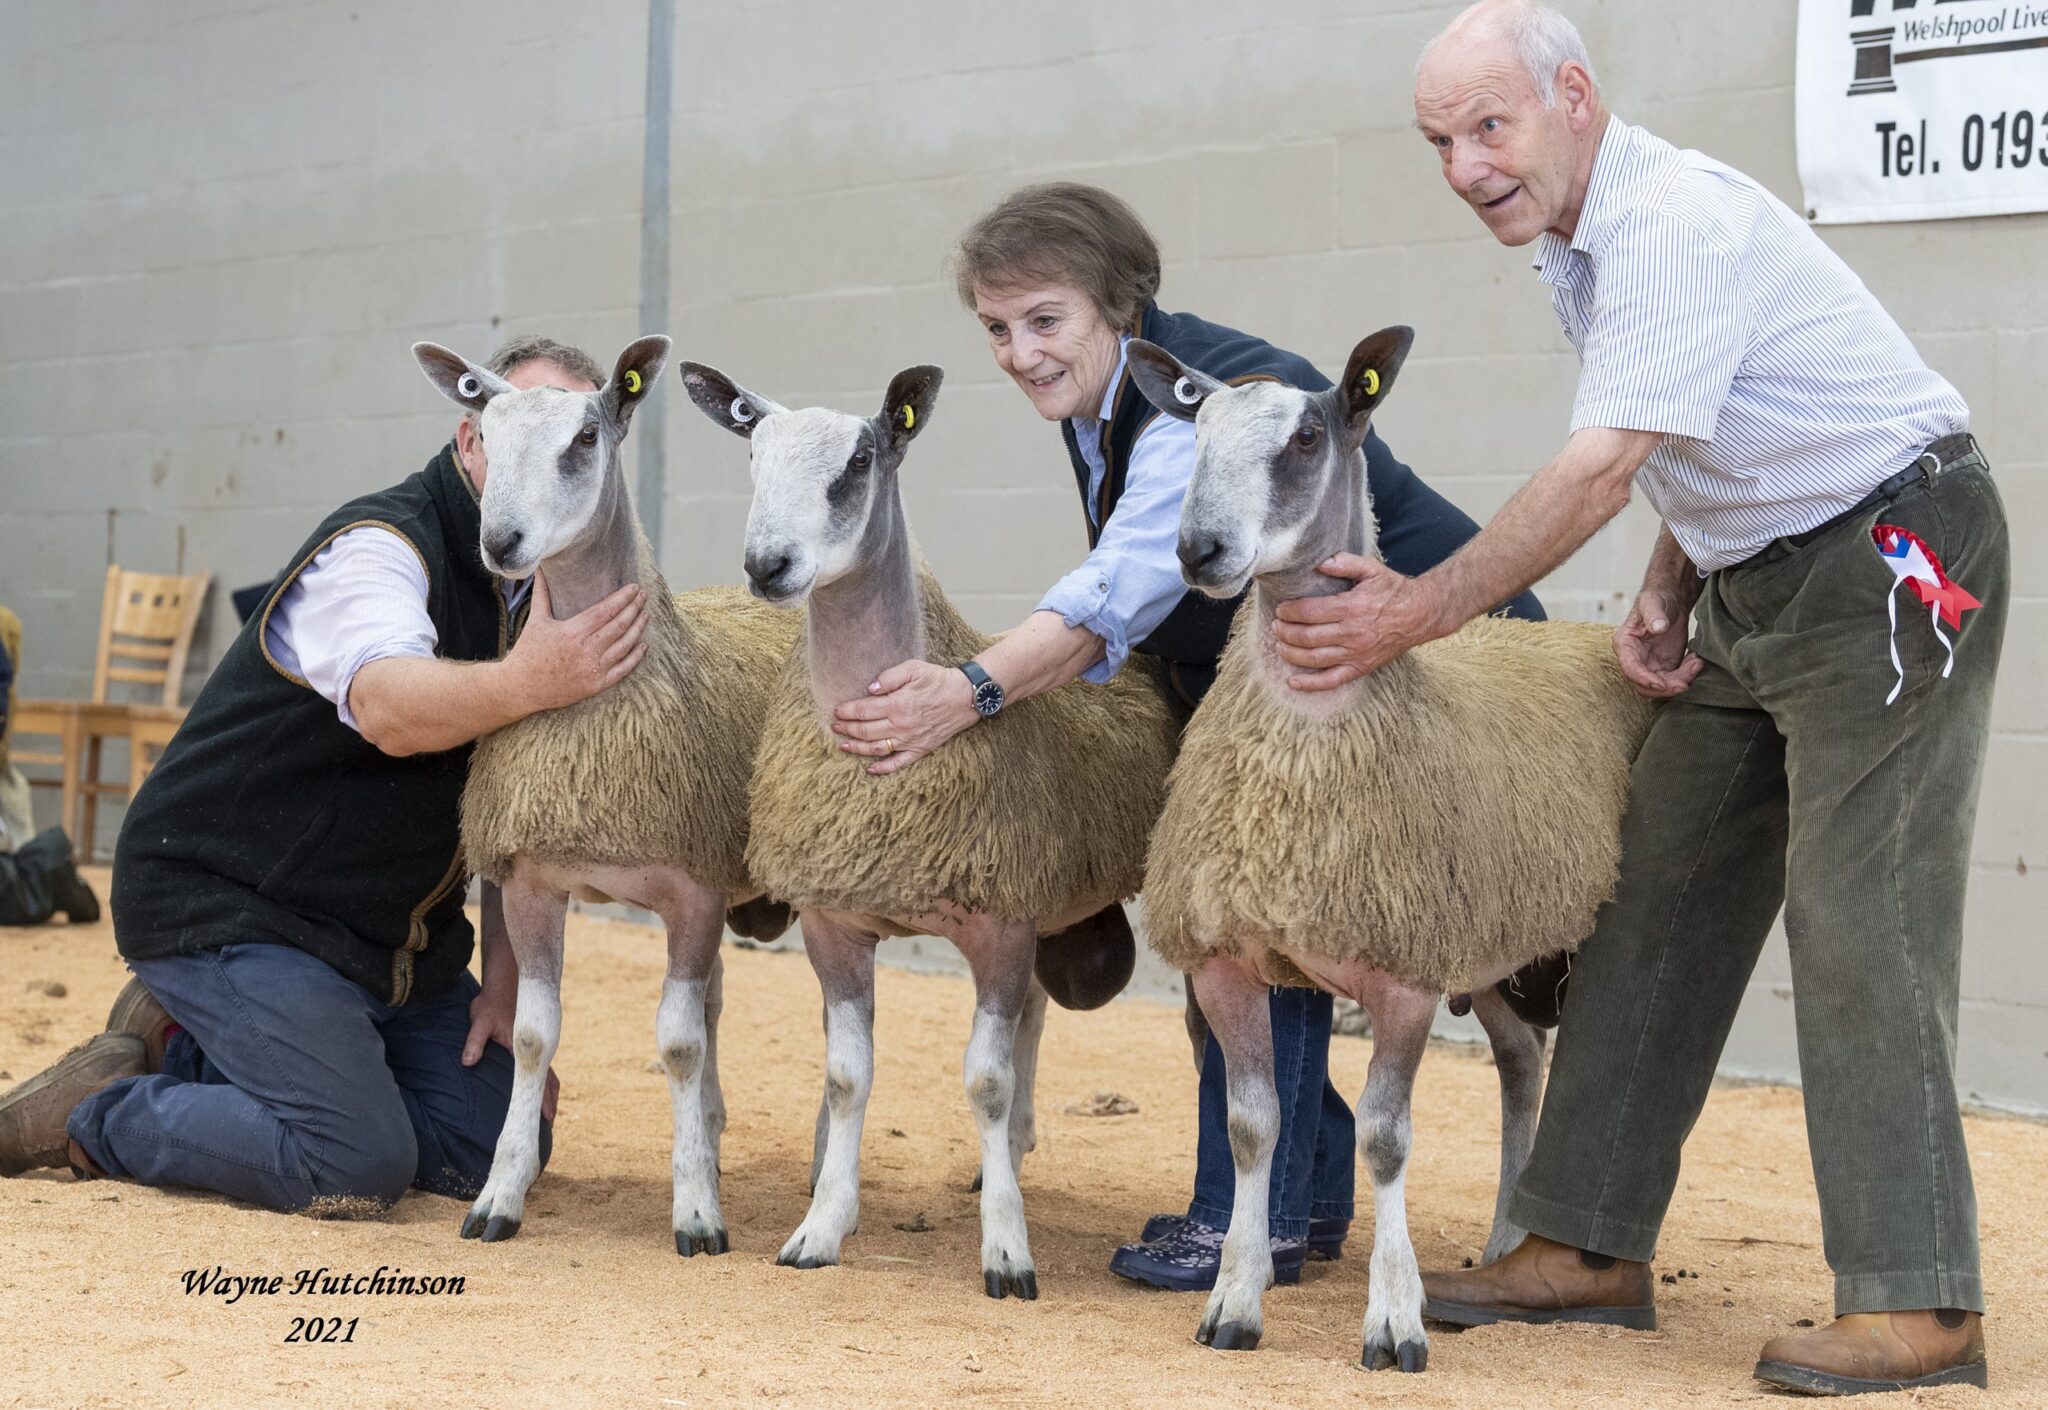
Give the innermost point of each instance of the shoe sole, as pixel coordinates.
(1807, 1381)
(1465, 1314)
(139, 1014)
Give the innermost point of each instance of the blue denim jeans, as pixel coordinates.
(1312, 1164)
(295, 1088)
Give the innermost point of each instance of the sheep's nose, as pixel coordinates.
(501, 544)
(765, 565)
(1198, 551)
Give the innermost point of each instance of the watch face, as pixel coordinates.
(988, 697)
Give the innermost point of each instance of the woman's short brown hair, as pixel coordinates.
(1063, 233)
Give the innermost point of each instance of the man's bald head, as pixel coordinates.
(1506, 96)
(1535, 36)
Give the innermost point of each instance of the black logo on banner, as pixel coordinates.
(1950, 35)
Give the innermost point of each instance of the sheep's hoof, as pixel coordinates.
(999, 1284)
(787, 1259)
(692, 1242)
(1219, 1335)
(1409, 1356)
(499, 1229)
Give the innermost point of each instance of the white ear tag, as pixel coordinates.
(741, 412)
(1185, 392)
(467, 386)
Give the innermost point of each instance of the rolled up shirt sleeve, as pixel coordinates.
(1131, 580)
(362, 598)
(1669, 333)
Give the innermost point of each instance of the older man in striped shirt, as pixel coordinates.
(1836, 528)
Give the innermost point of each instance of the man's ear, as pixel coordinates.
(1370, 375)
(633, 376)
(459, 379)
(1167, 382)
(724, 400)
(908, 403)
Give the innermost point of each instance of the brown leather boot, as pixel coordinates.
(137, 1012)
(32, 1116)
(1872, 1351)
(1543, 1281)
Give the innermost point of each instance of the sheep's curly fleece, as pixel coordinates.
(653, 769)
(1461, 817)
(1040, 812)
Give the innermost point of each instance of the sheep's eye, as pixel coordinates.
(1307, 436)
(861, 459)
(587, 436)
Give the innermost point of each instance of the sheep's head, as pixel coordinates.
(824, 481)
(553, 454)
(1274, 465)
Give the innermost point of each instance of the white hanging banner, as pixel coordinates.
(1922, 109)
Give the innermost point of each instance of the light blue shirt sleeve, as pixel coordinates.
(1131, 581)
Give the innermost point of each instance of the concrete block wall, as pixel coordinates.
(221, 226)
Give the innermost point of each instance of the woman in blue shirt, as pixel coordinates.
(1062, 276)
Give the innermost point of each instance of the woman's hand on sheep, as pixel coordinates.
(559, 663)
(910, 709)
(1336, 639)
(1651, 646)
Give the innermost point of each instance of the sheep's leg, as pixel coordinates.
(1401, 1017)
(824, 1121)
(844, 962)
(1235, 1003)
(685, 1032)
(534, 916)
(1000, 954)
(1197, 1025)
(1518, 1054)
(1024, 1104)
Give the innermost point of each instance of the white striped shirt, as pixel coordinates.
(1704, 309)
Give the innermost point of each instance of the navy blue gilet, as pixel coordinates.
(1191, 638)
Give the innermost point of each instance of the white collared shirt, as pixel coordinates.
(361, 598)
(1704, 309)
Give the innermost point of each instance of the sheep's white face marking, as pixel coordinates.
(1264, 455)
(549, 453)
(814, 474)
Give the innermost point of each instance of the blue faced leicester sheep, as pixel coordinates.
(1018, 827)
(638, 793)
(1433, 826)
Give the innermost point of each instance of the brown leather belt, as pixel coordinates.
(1937, 457)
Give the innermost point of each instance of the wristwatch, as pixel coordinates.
(988, 696)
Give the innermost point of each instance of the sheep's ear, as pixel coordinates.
(633, 376)
(1167, 382)
(908, 404)
(1370, 375)
(724, 400)
(459, 379)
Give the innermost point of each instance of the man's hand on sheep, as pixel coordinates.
(559, 663)
(910, 709)
(1651, 645)
(1333, 640)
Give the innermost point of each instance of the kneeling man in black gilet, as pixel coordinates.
(303, 1031)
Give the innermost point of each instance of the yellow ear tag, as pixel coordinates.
(1370, 382)
(909, 417)
(633, 383)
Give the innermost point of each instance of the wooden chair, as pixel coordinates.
(146, 627)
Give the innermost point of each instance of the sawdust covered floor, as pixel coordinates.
(591, 1305)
